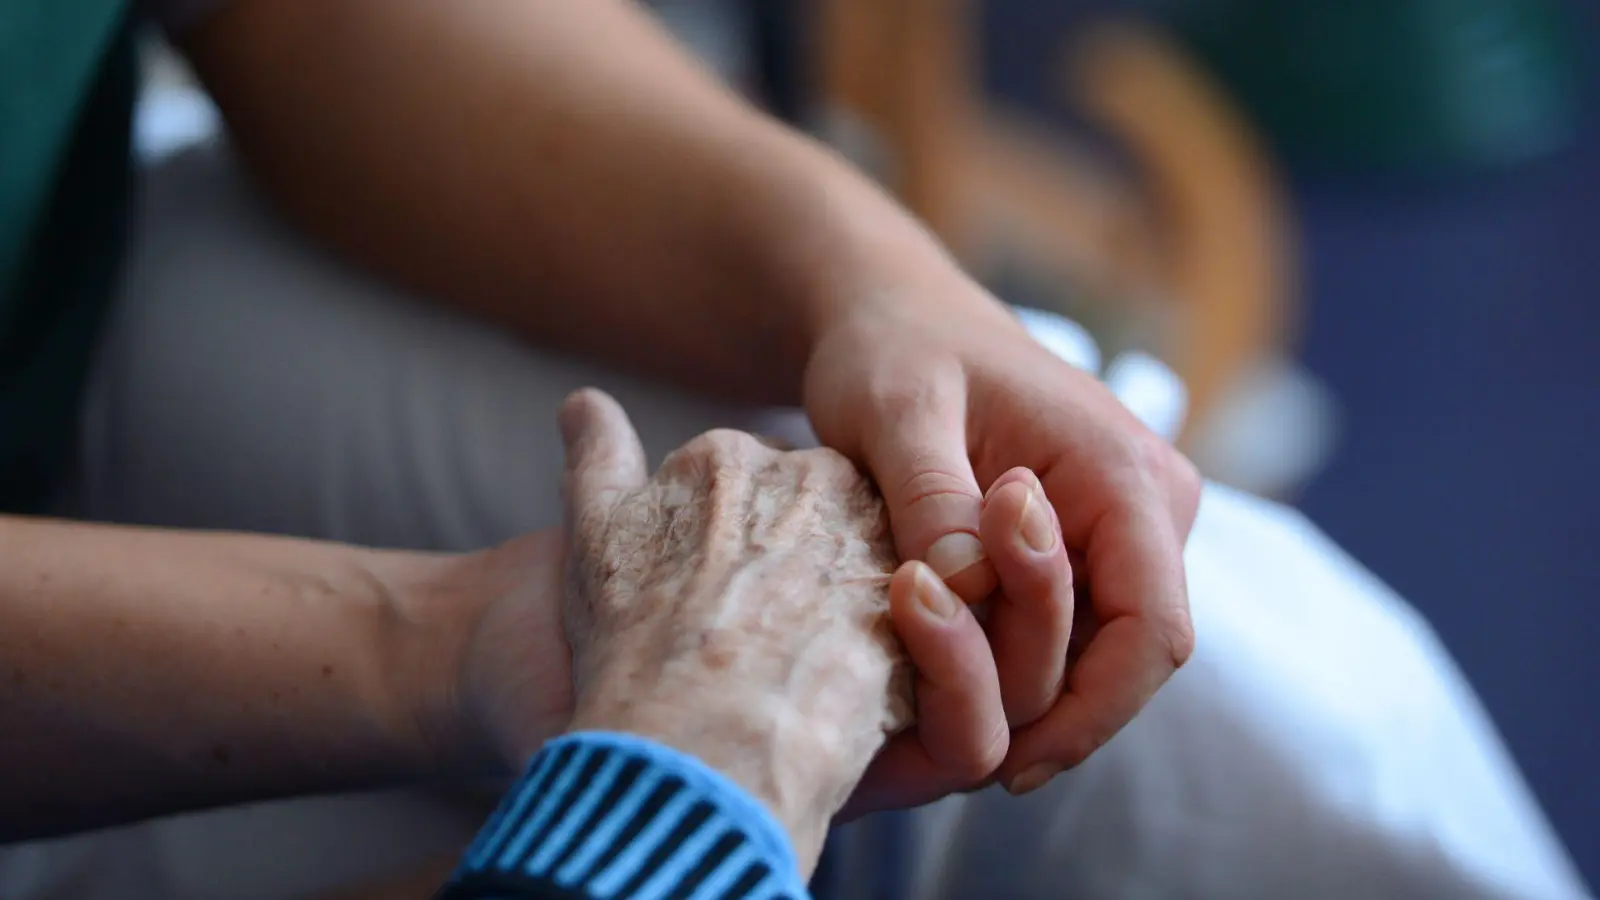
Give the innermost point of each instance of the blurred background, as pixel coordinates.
(1364, 232)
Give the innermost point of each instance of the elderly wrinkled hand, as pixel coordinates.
(736, 605)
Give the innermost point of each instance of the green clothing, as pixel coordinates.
(67, 87)
(1408, 85)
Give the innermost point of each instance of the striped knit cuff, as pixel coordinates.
(613, 815)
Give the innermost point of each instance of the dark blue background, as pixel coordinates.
(1459, 325)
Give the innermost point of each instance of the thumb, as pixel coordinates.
(604, 458)
(919, 460)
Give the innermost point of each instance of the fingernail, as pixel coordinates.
(1031, 779)
(954, 553)
(1034, 526)
(934, 596)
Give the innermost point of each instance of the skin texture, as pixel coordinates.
(327, 667)
(144, 672)
(936, 406)
(740, 605)
(735, 606)
(490, 156)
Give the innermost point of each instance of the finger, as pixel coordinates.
(961, 734)
(903, 775)
(1145, 634)
(1184, 485)
(918, 456)
(1030, 624)
(1157, 397)
(960, 720)
(1085, 623)
(604, 458)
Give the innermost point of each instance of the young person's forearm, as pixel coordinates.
(144, 671)
(561, 166)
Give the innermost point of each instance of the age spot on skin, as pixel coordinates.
(327, 671)
(716, 650)
(222, 754)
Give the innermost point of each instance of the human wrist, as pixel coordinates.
(829, 244)
(426, 618)
(716, 831)
(766, 747)
(445, 607)
(795, 729)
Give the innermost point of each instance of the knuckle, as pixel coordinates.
(1029, 706)
(1069, 747)
(1073, 752)
(1184, 478)
(929, 483)
(686, 461)
(1149, 455)
(828, 460)
(1184, 484)
(723, 443)
(711, 450)
(1165, 467)
(1128, 460)
(1177, 638)
(988, 753)
(1147, 466)
(831, 476)
(1068, 743)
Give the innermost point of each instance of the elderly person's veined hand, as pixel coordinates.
(736, 606)
(736, 255)
(741, 606)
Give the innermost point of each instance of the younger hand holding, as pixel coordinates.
(736, 606)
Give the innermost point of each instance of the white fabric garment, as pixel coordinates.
(1320, 744)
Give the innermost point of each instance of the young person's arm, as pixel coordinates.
(146, 671)
(561, 167)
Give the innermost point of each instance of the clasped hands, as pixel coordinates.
(744, 604)
(984, 447)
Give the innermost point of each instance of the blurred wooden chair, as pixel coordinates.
(1194, 247)
(1197, 245)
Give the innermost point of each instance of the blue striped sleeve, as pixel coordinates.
(614, 816)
